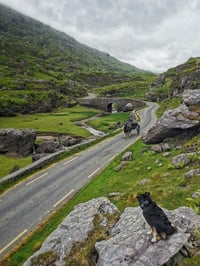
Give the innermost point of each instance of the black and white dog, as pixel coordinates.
(160, 225)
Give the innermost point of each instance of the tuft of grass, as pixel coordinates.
(84, 253)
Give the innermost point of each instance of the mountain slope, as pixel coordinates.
(41, 68)
(175, 80)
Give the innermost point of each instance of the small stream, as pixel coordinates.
(94, 131)
(82, 123)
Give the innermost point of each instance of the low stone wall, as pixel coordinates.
(29, 168)
(37, 164)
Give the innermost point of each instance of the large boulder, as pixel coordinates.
(130, 240)
(75, 228)
(19, 142)
(177, 121)
(50, 146)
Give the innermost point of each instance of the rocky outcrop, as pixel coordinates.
(75, 228)
(189, 81)
(177, 121)
(128, 241)
(130, 244)
(175, 81)
(47, 147)
(53, 145)
(17, 141)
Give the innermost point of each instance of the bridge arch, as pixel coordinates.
(112, 106)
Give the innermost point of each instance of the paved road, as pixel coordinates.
(28, 203)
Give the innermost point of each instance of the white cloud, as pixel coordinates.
(150, 34)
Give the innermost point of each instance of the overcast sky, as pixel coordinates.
(150, 34)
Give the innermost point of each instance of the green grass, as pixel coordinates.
(167, 105)
(167, 186)
(136, 88)
(7, 163)
(60, 122)
(108, 123)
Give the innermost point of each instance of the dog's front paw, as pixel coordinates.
(153, 240)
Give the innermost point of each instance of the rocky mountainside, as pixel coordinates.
(173, 82)
(42, 68)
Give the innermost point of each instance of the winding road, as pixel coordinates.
(24, 206)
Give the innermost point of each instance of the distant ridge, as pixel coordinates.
(42, 68)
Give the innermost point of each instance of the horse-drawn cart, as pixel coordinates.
(128, 127)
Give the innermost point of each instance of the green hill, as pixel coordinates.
(42, 68)
(175, 80)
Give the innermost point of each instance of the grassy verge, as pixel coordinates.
(7, 164)
(167, 185)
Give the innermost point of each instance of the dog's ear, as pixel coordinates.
(147, 193)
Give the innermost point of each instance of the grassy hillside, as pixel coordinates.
(175, 80)
(42, 68)
(136, 87)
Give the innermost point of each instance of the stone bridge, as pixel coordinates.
(108, 104)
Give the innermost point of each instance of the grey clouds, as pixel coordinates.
(149, 34)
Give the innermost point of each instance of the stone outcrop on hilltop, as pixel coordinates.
(18, 142)
(175, 81)
(183, 119)
(128, 241)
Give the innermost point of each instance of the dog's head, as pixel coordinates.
(144, 199)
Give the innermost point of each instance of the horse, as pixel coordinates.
(129, 126)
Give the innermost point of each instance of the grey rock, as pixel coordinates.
(121, 165)
(113, 194)
(181, 160)
(156, 148)
(196, 194)
(191, 97)
(20, 142)
(128, 107)
(69, 141)
(129, 242)
(48, 147)
(160, 147)
(165, 147)
(192, 173)
(127, 156)
(143, 181)
(175, 122)
(166, 154)
(188, 81)
(75, 228)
